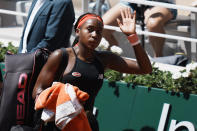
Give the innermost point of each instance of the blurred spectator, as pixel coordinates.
(155, 19)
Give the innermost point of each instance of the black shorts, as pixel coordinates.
(140, 10)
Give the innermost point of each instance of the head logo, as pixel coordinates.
(76, 74)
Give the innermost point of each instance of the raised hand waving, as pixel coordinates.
(128, 23)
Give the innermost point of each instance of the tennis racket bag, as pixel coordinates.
(21, 72)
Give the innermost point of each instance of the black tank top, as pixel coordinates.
(87, 77)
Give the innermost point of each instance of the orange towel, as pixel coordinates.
(60, 103)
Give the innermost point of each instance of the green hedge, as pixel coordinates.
(157, 79)
(6, 47)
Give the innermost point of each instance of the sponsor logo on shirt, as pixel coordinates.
(76, 74)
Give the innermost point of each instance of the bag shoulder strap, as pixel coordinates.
(63, 64)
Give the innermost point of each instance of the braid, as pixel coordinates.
(75, 27)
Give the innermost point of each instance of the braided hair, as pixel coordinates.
(76, 25)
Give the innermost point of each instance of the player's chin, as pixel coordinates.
(93, 45)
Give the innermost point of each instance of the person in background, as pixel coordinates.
(1, 84)
(85, 68)
(155, 20)
(49, 25)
